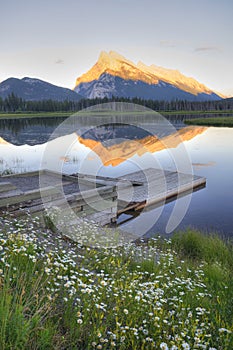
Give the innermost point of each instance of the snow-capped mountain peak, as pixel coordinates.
(122, 72)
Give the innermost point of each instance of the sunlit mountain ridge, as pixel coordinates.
(114, 75)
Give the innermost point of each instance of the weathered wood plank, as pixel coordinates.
(162, 186)
(6, 186)
(29, 195)
(106, 180)
(101, 218)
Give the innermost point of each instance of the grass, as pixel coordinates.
(6, 172)
(18, 115)
(163, 294)
(201, 112)
(219, 121)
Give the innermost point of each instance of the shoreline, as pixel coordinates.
(19, 115)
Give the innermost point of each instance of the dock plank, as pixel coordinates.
(157, 187)
(101, 199)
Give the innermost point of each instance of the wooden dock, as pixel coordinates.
(157, 186)
(33, 192)
(141, 189)
(98, 199)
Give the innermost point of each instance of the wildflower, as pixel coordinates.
(164, 346)
(185, 346)
(68, 284)
(103, 283)
(221, 330)
(79, 320)
(126, 311)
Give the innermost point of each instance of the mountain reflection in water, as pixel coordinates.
(119, 152)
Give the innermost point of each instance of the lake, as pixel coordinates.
(24, 141)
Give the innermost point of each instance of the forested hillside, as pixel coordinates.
(12, 103)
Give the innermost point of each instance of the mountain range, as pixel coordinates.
(114, 75)
(32, 89)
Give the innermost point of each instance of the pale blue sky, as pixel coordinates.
(58, 40)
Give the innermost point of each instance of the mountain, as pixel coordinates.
(31, 89)
(114, 75)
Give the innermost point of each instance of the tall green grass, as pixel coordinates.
(210, 247)
(163, 294)
(218, 121)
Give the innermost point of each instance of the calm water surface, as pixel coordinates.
(23, 142)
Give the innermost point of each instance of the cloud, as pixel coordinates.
(59, 61)
(207, 49)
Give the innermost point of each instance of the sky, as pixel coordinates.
(59, 40)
